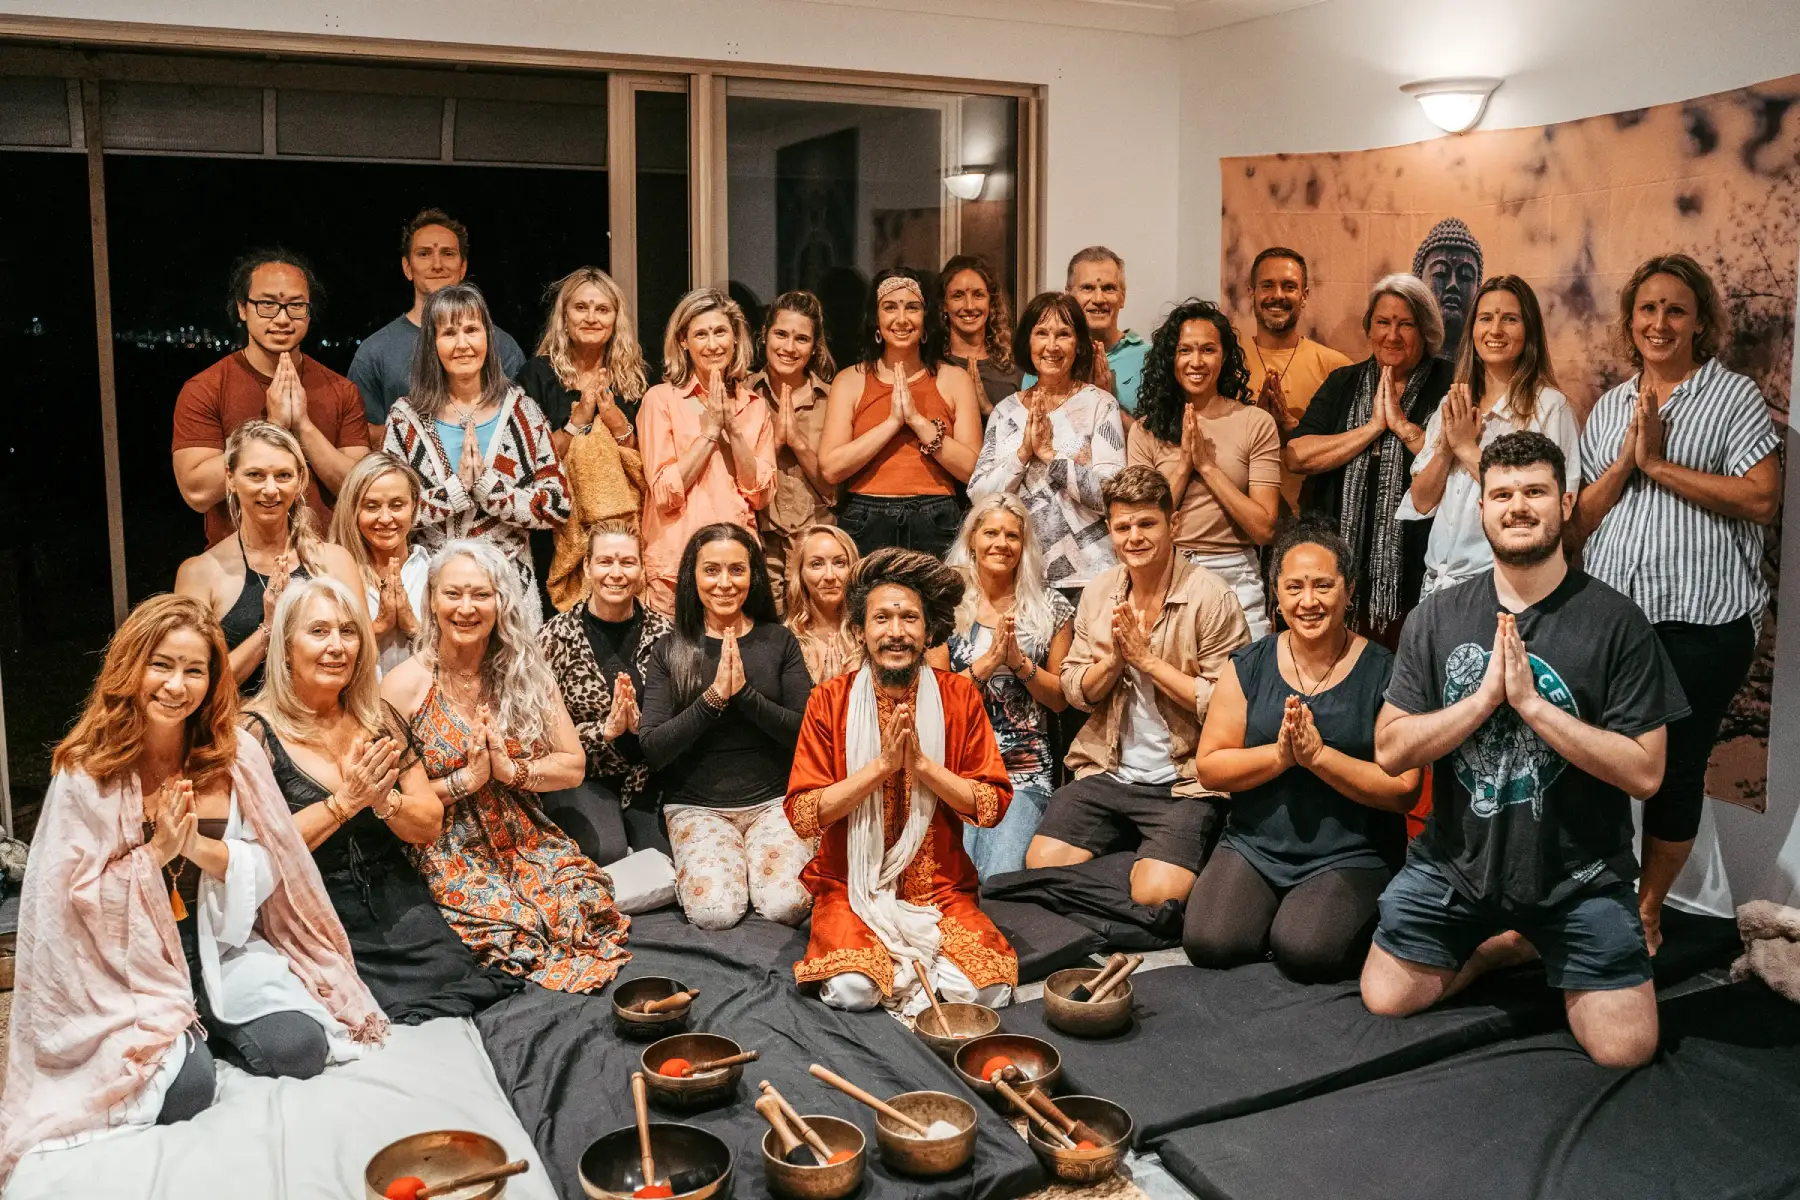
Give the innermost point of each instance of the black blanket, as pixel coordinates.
(568, 1074)
(1096, 894)
(1713, 1118)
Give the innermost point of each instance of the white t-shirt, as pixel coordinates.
(1146, 752)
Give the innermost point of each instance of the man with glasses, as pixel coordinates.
(273, 294)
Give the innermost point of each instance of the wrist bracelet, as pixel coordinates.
(941, 431)
(713, 699)
(331, 806)
(571, 428)
(393, 806)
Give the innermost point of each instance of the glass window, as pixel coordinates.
(662, 217)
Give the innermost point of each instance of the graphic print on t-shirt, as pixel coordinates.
(1505, 762)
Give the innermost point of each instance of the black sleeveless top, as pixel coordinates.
(246, 612)
(1297, 825)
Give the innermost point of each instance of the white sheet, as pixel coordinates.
(287, 1139)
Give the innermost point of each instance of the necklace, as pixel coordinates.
(1312, 691)
(1263, 359)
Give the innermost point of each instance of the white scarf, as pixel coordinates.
(909, 931)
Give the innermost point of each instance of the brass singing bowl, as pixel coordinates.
(1086, 1166)
(909, 1154)
(1085, 1018)
(967, 1022)
(1037, 1059)
(610, 1168)
(436, 1157)
(815, 1182)
(648, 1027)
(693, 1091)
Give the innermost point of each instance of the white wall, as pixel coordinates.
(1113, 96)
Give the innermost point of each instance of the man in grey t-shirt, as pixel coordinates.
(434, 253)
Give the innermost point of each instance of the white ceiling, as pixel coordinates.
(1162, 17)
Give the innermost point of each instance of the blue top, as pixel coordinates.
(1126, 358)
(452, 437)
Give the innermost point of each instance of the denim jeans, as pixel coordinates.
(1002, 848)
(928, 523)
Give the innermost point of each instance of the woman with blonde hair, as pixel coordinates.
(588, 373)
(1011, 632)
(708, 441)
(171, 909)
(478, 443)
(346, 765)
(373, 522)
(241, 578)
(817, 577)
(485, 715)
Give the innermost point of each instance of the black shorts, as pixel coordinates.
(1099, 813)
(1591, 942)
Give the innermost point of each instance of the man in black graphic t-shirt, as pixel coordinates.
(1540, 695)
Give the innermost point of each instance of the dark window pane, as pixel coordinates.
(182, 116)
(352, 125)
(510, 132)
(34, 112)
(662, 216)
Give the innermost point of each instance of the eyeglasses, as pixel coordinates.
(297, 310)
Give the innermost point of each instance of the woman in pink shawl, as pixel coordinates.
(169, 898)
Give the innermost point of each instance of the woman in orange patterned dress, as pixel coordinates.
(493, 733)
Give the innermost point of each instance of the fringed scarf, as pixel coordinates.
(1374, 536)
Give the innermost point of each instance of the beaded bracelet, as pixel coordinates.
(937, 442)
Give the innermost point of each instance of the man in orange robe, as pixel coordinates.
(893, 760)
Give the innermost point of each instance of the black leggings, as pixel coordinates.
(1318, 931)
(1711, 662)
(590, 813)
(287, 1045)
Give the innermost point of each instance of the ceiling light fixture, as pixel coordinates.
(1453, 105)
(967, 183)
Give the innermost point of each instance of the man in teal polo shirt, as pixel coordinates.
(1097, 281)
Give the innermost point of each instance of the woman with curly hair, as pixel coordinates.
(171, 911)
(491, 728)
(1199, 427)
(980, 328)
(794, 381)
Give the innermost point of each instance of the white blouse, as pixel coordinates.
(1458, 548)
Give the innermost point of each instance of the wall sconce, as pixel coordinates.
(1453, 105)
(967, 183)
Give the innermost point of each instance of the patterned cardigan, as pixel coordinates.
(587, 693)
(522, 488)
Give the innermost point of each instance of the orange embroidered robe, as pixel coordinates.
(941, 873)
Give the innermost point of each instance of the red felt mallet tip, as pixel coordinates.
(654, 1191)
(407, 1187)
(994, 1066)
(676, 1068)
(1084, 1144)
(840, 1156)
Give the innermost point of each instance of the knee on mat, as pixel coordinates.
(851, 991)
(1384, 998)
(713, 914)
(785, 904)
(1621, 1048)
(1318, 960)
(1216, 950)
(290, 1046)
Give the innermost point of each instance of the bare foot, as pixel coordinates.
(1508, 949)
(1652, 919)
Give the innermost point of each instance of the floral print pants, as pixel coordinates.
(728, 860)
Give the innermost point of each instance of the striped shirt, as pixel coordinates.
(1677, 560)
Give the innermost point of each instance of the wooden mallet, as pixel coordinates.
(719, 1064)
(798, 1123)
(486, 1175)
(667, 1003)
(1052, 1132)
(855, 1093)
(923, 970)
(1081, 1131)
(792, 1149)
(1118, 980)
(646, 1160)
(1084, 992)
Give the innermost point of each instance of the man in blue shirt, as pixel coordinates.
(434, 253)
(1097, 281)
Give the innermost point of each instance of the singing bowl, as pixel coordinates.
(610, 1169)
(1038, 1059)
(967, 1022)
(693, 1091)
(436, 1157)
(1085, 1018)
(1086, 1166)
(816, 1182)
(909, 1154)
(648, 1026)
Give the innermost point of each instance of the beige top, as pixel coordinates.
(1302, 371)
(796, 503)
(1200, 624)
(1248, 447)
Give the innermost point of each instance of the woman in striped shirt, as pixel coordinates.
(1682, 474)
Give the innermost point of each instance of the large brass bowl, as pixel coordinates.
(815, 1182)
(1038, 1059)
(611, 1170)
(1085, 1018)
(1086, 1166)
(436, 1157)
(910, 1154)
(647, 1027)
(967, 1022)
(698, 1090)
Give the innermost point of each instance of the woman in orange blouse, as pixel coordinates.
(903, 427)
(708, 445)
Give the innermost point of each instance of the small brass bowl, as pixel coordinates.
(691, 1092)
(647, 1027)
(610, 1168)
(967, 1022)
(909, 1154)
(1037, 1059)
(436, 1157)
(1086, 1166)
(815, 1182)
(1085, 1018)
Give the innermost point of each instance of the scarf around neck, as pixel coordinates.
(1374, 536)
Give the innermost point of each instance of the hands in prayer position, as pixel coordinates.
(1273, 401)
(1462, 427)
(1195, 445)
(622, 717)
(392, 609)
(1299, 742)
(1389, 414)
(369, 770)
(1130, 643)
(900, 742)
(176, 821)
(729, 678)
(278, 581)
(287, 397)
(1038, 441)
(469, 467)
(1002, 651)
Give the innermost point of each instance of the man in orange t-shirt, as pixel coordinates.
(269, 379)
(1285, 368)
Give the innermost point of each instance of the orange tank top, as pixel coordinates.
(900, 468)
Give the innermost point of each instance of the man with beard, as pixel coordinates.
(1151, 636)
(892, 762)
(1097, 281)
(1449, 260)
(1539, 725)
(1285, 368)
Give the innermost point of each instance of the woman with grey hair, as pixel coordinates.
(478, 443)
(1357, 442)
(492, 731)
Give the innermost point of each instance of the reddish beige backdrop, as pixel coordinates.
(1573, 208)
